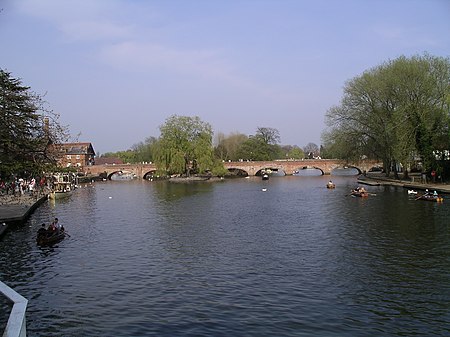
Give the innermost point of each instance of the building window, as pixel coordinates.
(78, 156)
(69, 156)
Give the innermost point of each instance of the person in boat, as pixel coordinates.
(435, 194)
(357, 190)
(42, 231)
(56, 224)
(51, 230)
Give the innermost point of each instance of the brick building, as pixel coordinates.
(76, 154)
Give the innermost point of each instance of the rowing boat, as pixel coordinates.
(359, 194)
(429, 197)
(44, 240)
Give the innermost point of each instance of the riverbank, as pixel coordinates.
(17, 208)
(413, 184)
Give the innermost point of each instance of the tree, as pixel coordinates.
(128, 156)
(144, 151)
(261, 146)
(292, 152)
(184, 146)
(311, 150)
(27, 129)
(228, 146)
(394, 112)
(296, 153)
(254, 148)
(268, 135)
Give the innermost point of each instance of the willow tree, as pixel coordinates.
(27, 129)
(184, 146)
(393, 112)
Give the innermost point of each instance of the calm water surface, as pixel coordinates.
(229, 259)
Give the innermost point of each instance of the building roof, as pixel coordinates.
(77, 148)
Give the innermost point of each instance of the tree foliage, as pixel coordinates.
(293, 152)
(262, 146)
(254, 148)
(228, 146)
(311, 150)
(27, 129)
(144, 151)
(393, 112)
(268, 135)
(128, 156)
(185, 146)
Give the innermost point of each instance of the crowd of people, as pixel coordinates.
(21, 186)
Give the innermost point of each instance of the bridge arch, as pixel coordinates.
(237, 172)
(307, 167)
(120, 172)
(110, 174)
(272, 171)
(346, 167)
(150, 175)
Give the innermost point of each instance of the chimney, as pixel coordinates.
(47, 130)
(46, 127)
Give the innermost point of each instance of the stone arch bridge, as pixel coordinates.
(250, 168)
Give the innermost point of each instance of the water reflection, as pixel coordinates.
(173, 191)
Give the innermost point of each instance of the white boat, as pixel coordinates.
(266, 173)
(62, 186)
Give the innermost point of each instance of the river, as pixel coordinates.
(242, 257)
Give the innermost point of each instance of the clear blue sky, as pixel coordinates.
(116, 69)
